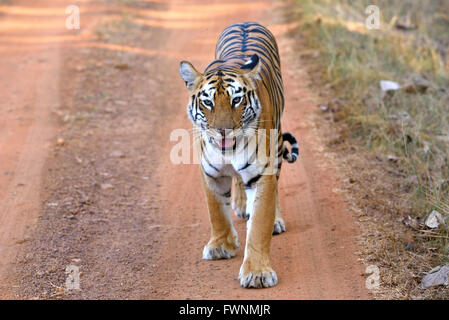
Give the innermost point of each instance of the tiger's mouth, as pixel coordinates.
(225, 144)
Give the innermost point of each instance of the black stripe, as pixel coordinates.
(227, 194)
(210, 165)
(207, 174)
(252, 181)
(249, 163)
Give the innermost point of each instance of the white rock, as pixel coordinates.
(434, 219)
(436, 277)
(387, 85)
(106, 186)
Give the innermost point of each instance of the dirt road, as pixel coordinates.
(29, 85)
(107, 199)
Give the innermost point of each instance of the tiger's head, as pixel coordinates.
(223, 103)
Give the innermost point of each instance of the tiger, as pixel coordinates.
(235, 107)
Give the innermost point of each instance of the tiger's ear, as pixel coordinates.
(253, 66)
(189, 74)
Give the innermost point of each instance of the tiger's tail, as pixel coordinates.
(293, 155)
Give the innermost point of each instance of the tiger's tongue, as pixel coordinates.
(227, 143)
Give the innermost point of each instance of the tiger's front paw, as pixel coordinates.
(241, 213)
(264, 277)
(216, 250)
(279, 226)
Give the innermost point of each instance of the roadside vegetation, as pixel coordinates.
(406, 130)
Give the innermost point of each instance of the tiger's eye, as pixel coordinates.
(236, 101)
(207, 103)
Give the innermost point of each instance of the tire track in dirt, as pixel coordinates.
(30, 90)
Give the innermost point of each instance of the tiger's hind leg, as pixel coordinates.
(239, 198)
(223, 240)
(279, 224)
(239, 205)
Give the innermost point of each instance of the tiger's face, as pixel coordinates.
(223, 104)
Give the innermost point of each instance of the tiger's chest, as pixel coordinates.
(241, 162)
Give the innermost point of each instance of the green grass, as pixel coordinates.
(413, 127)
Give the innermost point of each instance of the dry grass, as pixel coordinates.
(410, 129)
